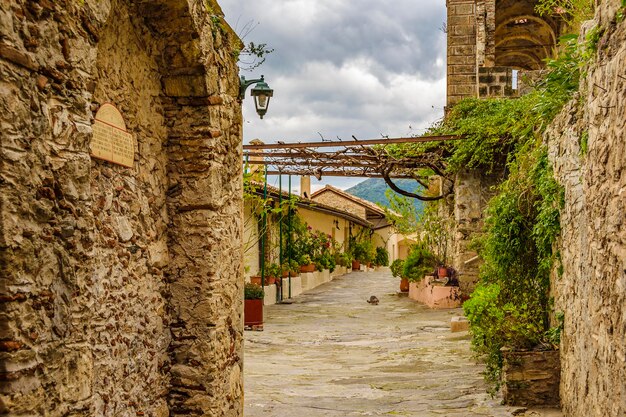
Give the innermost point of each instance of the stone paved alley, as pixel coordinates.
(332, 354)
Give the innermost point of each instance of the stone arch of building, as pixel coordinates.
(520, 60)
(515, 40)
(502, 29)
(521, 33)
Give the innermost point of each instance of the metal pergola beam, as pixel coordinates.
(302, 155)
(355, 174)
(364, 142)
(357, 164)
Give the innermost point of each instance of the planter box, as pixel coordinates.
(296, 287)
(356, 265)
(270, 294)
(434, 295)
(253, 312)
(531, 378)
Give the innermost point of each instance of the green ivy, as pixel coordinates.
(511, 304)
(574, 12)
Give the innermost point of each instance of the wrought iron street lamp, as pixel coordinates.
(261, 93)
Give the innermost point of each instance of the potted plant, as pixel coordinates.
(342, 259)
(397, 267)
(382, 257)
(290, 268)
(256, 278)
(253, 305)
(294, 267)
(418, 263)
(362, 254)
(305, 264)
(272, 272)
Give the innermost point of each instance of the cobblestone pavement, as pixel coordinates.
(330, 353)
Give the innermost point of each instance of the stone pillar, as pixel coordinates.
(472, 191)
(205, 207)
(485, 33)
(461, 78)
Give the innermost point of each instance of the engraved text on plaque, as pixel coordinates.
(110, 140)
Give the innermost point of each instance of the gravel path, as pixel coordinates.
(332, 354)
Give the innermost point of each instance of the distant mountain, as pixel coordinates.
(373, 189)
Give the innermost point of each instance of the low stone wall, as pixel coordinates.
(304, 282)
(434, 295)
(531, 378)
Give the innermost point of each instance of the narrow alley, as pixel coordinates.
(330, 353)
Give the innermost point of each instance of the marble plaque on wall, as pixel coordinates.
(111, 142)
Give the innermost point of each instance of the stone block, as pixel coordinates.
(185, 86)
(456, 21)
(531, 378)
(459, 324)
(460, 60)
(467, 50)
(296, 287)
(467, 90)
(464, 9)
(463, 30)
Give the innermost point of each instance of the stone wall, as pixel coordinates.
(495, 82)
(116, 297)
(587, 145)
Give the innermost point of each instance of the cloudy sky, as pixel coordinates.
(344, 67)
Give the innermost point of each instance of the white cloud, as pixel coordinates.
(345, 67)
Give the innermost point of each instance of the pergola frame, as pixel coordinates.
(355, 158)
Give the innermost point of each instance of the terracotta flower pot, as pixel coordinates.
(442, 272)
(404, 285)
(356, 265)
(258, 280)
(307, 268)
(253, 312)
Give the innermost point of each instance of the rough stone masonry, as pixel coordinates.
(587, 143)
(120, 291)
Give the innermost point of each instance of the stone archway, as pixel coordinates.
(123, 291)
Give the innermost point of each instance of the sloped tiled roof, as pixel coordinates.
(367, 204)
(274, 192)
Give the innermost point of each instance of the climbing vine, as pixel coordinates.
(511, 305)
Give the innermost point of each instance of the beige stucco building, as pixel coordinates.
(383, 232)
